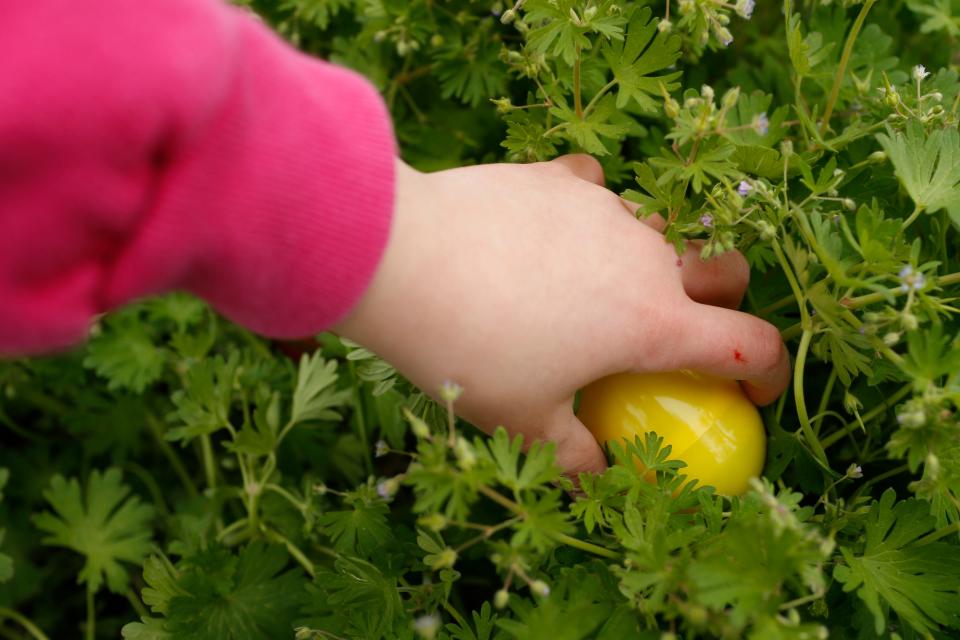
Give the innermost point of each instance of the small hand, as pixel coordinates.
(524, 283)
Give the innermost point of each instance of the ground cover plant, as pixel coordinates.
(180, 478)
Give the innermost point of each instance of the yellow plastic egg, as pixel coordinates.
(709, 422)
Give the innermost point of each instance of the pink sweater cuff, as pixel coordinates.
(252, 175)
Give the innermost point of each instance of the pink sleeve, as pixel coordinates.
(153, 145)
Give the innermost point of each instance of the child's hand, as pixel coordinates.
(524, 283)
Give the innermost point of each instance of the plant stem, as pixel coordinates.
(913, 216)
(136, 603)
(90, 633)
(153, 424)
(842, 68)
(942, 532)
(805, 425)
(583, 545)
(577, 99)
(595, 99)
(24, 622)
(824, 400)
(206, 448)
(360, 422)
(563, 538)
(292, 549)
(852, 426)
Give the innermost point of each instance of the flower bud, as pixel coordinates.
(508, 16)
(854, 471)
(589, 12)
(501, 598)
(540, 588)
(909, 321)
(665, 26)
(891, 338)
(671, 107)
(877, 157)
(731, 97)
(466, 457)
(849, 204)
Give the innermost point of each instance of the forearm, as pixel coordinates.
(177, 144)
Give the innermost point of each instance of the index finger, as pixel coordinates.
(732, 344)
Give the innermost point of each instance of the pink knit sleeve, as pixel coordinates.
(153, 145)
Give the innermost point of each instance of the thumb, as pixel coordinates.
(577, 449)
(582, 166)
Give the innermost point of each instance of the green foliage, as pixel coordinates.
(104, 524)
(899, 571)
(323, 496)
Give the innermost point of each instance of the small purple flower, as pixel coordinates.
(744, 188)
(707, 220)
(761, 124)
(911, 280)
(744, 8)
(381, 449)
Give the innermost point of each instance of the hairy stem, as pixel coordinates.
(842, 68)
(24, 622)
(577, 99)
(812, 440)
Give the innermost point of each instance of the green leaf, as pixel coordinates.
(928, 166)
(314, 397)
(642, 53)
(104, 524)
(125, 354)
(215, 595)
(525, 139)
(587, 130)
(537, 469)
(355, 599)
(938, 16)
(483, 628)
(360, 530)
(711, 161)
(146, 629)
(203, 405)
(917, 581)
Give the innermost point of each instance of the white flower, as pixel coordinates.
(920, 73)
(745, 8)
(911, 280)
(761, 124)
(427, 626)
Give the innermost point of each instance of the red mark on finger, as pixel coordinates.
(679, 262)
(738, 357)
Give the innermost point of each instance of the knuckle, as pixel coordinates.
(769, 347)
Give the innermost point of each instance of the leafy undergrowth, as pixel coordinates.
(179, 478)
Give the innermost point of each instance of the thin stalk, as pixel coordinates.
(136, 603)
(912, 218)
(805, 425)
(583, 545)
(842, 68)
(292, 549)
(206, 448)
(455, 614)
(577, 99)
(172, 457)
(563, 538)
(360, 422)
(824, 400)
(595, 99)
(90, 632)
(24, 622)
(942, 532)
(852, 426)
